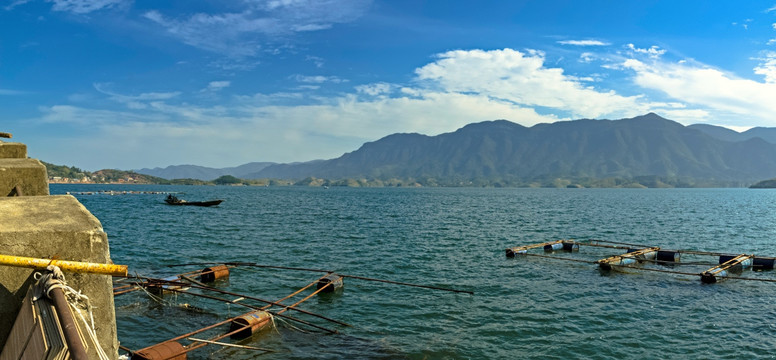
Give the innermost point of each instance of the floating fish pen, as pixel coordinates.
(257, 315)
(635, 256)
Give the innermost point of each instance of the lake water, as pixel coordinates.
(525, 307)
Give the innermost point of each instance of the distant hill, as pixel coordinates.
(131, 177)
(205, 173)
(765, 184)
(647, 145)
(722, 133)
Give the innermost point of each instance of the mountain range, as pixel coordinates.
(647, 145)
(245, 171)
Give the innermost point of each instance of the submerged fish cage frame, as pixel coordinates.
(240, 327)
(636, 254)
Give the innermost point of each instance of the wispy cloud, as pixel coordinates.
(318, 61)
(86, 6)
(140, 101)
(744, 24)
(584, 42)
(243, 33)
(217, 85)
(317, 79)
(12, 92)
(15, 3)
(90, 117)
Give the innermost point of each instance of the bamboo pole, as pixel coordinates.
(607, 263)
(255, 308)
(121, 290)
(293, 306)
(229, 345)
(298, 291)
(245, 296)
(194, 346)
(521, 249)
(64, 265)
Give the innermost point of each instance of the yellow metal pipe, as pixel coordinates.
(69, 266)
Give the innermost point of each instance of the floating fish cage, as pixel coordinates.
(205, 291)
(636, 256)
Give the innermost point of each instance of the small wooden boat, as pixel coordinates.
(172, 200)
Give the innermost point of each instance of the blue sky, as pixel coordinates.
(130, 84)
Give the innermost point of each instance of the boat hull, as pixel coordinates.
(194, 203)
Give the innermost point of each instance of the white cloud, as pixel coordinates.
(767, 67)
(586, 57)
(513, 76)
(375, 89)
(217, 85)
(653, 51)
(731, 99)
(85, 6)
(583, 43)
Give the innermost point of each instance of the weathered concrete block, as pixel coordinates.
(29, 174)
(55, 226)
(9, 150)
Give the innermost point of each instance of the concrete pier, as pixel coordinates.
(40, 226)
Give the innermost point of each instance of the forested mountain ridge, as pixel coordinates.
(647, 145)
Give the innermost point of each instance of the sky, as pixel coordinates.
(129, 84)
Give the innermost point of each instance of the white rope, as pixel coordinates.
(90, 330)
(287, 323)
(153, 297)
(274, 325)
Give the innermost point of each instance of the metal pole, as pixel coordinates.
(64, 265)
(69, 327)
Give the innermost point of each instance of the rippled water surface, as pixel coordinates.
(528, 307)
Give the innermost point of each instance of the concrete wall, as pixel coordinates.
(28, 174)
(17, 170)
(50, 227)
(11, 150)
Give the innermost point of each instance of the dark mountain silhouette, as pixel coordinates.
(647, 145)
(204, 173)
